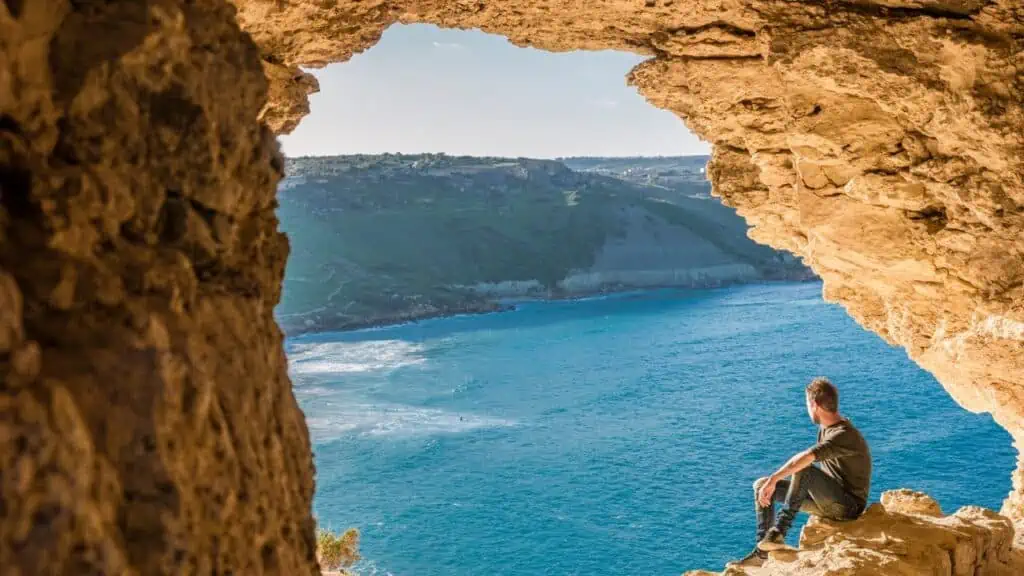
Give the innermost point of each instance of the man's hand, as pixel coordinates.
(798, 462)
(767, 492)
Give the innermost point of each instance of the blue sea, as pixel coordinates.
(610, 436)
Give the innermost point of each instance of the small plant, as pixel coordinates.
(337, 552)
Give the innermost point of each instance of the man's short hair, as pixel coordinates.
(824, 394)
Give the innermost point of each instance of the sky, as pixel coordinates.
(425, 89)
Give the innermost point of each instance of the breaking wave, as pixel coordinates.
(394, 420)
(337, 384)
(349, 357)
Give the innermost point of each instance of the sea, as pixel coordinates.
(617, 435)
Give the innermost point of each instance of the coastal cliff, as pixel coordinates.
(385, 239)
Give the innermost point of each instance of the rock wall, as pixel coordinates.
(146, 421)
(147, 424)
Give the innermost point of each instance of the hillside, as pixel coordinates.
(383, 239)
(682, 174)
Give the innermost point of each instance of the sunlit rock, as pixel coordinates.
(906, 534)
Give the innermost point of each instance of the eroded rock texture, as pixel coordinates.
(881, 140)
(905, 534)
(147, 424)
(146, 420)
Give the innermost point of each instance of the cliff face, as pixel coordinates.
(147, 424)
(147, 420)
(383, 239)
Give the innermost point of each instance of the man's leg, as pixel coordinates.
(766, 518)
(766, 514)
(813, 489)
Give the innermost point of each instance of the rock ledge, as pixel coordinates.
(905, 534)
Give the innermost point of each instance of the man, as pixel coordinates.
(837, 490)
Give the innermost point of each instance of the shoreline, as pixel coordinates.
(511, 304)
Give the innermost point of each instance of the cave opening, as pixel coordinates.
(394, 464)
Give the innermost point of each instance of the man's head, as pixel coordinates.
(822, 399)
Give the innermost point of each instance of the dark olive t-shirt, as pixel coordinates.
(843, 454)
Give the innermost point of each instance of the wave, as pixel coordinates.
(349, 357)
(368, 568)
(339, 407)
(393, 420)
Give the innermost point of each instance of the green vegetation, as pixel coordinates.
(381, 239)
(681, 174)
(337, 552)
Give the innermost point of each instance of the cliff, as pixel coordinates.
(380, 239)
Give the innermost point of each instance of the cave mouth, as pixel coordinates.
(838, 133)
(348, 434)
(148, 417)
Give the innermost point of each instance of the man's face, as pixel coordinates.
(812, 410)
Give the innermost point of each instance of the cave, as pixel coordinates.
(148, 422)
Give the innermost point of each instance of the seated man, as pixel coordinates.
(837, 490)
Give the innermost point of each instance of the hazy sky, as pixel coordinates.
(424, 89)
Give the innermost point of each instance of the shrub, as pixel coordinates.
(337, 552)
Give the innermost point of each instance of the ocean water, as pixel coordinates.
(609, 436)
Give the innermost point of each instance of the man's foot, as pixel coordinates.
(753, 560)
(774, 539)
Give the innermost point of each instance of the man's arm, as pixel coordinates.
(798, 462)
(826, 449)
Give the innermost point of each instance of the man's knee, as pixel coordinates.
(759, 483)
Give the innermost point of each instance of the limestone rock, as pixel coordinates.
(147, 424)
(973, 541)
(910, 502)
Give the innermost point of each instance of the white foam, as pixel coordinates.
(340, 407)
(349, 357)
(393, 420)
(313, 391)
(368, 568)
